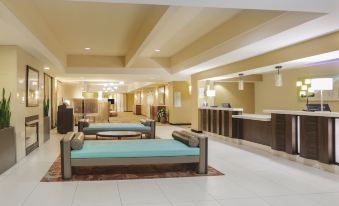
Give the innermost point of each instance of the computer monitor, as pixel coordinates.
(111, 101)
(226, 105)
(317, 107)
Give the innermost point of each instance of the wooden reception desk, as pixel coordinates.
(217, 120)
(313, 135)
(253, 127)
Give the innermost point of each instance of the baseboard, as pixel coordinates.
(180, 124)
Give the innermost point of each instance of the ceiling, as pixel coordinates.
(123, 35)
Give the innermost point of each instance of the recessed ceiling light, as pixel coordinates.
(87, 48)
(157, 50)
(46, 68)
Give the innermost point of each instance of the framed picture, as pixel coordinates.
(32, 87)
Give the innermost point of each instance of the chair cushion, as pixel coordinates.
(77, 141)
(134, 148)
(186, 137)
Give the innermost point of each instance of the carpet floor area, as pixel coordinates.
(126, 172)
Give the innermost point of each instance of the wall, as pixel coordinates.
(71, 91)
(179, 115)
(227, 92)
(13, 62)
(129, 102)
(267, 96)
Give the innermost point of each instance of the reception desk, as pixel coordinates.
(253, 127)
(217, 120)
(313, 135)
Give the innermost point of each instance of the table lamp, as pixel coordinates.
(322, 84)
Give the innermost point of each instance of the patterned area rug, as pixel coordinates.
(126, 172)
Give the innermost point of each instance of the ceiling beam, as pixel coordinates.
(322, 6)
(314, 47)
(248, 27)
(144, 35)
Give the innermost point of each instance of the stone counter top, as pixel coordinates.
(257, 117)
(303, 113)
(224, 109)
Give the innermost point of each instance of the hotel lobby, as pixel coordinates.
(169, 103)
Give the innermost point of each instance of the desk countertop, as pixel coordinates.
(224, 109)
(304, 113)
(257, 117)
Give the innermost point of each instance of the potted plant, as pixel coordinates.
(47, 121)
(7, 134)
(162, 115)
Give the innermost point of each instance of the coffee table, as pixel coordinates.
(119, 134)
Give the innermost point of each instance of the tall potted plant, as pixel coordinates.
(47, 121)
(162, 115)
(7, 134)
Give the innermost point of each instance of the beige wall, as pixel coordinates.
(267, 96)
(129, 102)
(227, 92)
(71, 91)
(13, 62)
(179, 115)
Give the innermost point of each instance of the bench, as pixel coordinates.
(129, 152)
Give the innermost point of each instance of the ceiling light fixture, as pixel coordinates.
(157, 50)
(241, 82)
(87, 48)
(278, 77)
(46, 68)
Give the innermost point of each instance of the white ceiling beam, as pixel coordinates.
(146, 32)
(321, 6)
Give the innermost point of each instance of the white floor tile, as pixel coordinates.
(243, 202)
(183, 190)
(140, 191)
(97, 194)
(290, 201)
(52, 194)
(200, 203)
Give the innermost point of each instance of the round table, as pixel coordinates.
(119, 134)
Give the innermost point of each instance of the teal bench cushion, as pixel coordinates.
(94, 128)
(133, 148)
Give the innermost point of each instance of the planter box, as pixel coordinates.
(47, 128)
(7, 149)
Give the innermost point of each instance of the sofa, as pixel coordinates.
(146, 126)
(75, 152)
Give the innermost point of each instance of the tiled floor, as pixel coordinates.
(251, 178)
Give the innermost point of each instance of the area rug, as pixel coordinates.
(126, 172)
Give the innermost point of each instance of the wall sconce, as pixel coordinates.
(241, 82)
(190, 89)
(278, 77)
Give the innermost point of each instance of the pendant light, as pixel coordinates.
(278, 77)
(241, 82)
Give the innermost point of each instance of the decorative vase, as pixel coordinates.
(7, 148)
(163, 120)
(47, 128)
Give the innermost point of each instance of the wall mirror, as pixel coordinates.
(32, 87)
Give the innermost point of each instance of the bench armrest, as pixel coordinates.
(65, 152)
